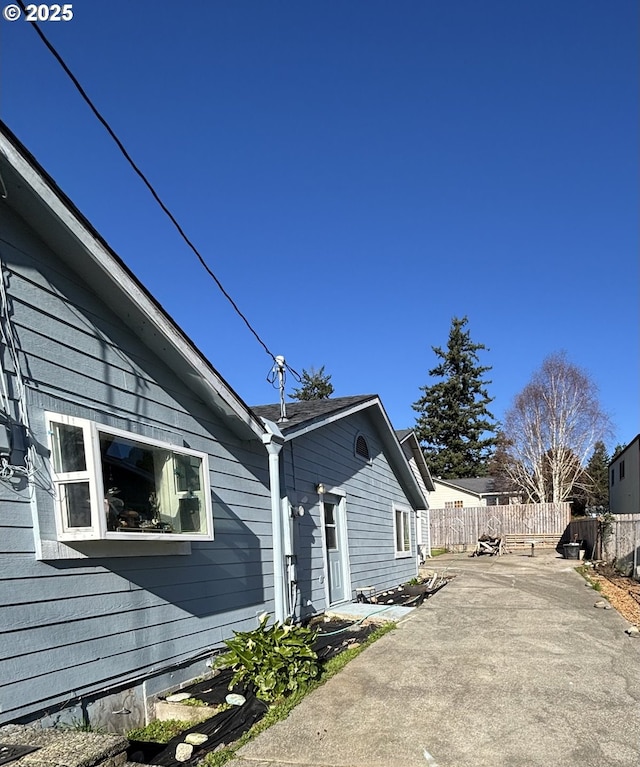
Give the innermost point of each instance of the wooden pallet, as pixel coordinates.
(517, 541)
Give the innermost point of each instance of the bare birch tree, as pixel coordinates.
(551, 430)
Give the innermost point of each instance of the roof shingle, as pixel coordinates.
(309, 410)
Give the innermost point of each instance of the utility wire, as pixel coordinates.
(146, 181)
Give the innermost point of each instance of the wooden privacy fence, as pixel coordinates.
(459, 529)
(621, 542)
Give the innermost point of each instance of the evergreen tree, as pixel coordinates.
(316, 384)
(454, 425)
(598, 477)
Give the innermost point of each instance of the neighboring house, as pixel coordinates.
(144, 508)
(624, 480)
(473, 491)
(415, 456)
(353, 499)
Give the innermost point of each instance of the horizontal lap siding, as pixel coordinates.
(327, 455)
(74, 626)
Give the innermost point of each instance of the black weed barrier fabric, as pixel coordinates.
(221, 730)
(405, 596)
(225, 728)
(335, 636)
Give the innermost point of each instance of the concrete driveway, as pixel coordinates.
(509, 665)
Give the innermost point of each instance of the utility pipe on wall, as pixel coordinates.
(273, 441)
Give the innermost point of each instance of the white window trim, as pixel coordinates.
(405, 511)
(93, 475)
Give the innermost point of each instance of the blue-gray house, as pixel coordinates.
(353, 501)
(145, 511)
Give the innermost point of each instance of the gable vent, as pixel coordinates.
(362, 448)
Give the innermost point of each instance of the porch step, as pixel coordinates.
(65, 748)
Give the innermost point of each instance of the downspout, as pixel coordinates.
(427, 526)
(273, 441)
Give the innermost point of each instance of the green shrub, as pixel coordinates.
(283, 708)
(277, 659)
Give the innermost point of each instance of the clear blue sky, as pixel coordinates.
(358, 172)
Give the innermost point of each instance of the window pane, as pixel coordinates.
(330, 526)
(407, 534)
(76, 504)
(399, 535)
(187, 473)
(68, 448)
(331, 537)
(328, 514)
(151, 489)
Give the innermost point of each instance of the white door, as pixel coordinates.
(336, 550)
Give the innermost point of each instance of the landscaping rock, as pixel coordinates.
(196, 738)
(633, 631)
(602, 605)
(184, 751)
(233, 699)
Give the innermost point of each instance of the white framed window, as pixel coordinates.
(114, 484)
(402, 531)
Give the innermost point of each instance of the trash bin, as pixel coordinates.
(571, 550)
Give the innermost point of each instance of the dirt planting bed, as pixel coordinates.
(622, 592)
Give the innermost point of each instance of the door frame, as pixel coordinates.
(339, 499)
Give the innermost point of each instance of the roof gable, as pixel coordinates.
(307, 416)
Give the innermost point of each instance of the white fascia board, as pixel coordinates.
(305, 429)
(209, 382)
(423, 467)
